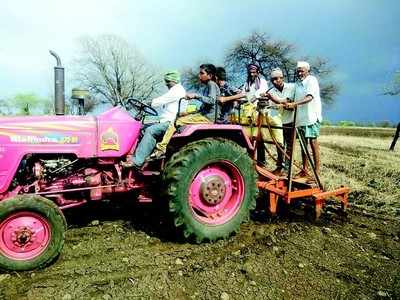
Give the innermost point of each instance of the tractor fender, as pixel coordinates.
(193, 132)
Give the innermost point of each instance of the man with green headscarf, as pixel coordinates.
(167, 107)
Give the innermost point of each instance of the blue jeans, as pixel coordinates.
(148, 142)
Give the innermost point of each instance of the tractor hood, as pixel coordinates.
(49, 133)
(111, 134)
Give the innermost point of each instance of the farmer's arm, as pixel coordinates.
(172, 95)
(223, 99)
(312, 89)
(212, 95)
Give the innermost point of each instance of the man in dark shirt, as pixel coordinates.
(227, 96)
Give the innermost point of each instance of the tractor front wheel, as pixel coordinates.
(32, 232)
(211, 187)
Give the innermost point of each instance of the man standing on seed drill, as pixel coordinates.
(309, 117)
(282, 93)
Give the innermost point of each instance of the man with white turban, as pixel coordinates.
(309, 117)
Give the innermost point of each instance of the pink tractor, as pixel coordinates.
(52, 163)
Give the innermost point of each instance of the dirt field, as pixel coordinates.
(131, 253)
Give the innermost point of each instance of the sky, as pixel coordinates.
(360, 38)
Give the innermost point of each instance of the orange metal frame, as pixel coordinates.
(277, 188)
(288, 189)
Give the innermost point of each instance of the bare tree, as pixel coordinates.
(259, 49)
(268, 54)
(393, 89)
(113, 70)
(190, 78)
(4, 108)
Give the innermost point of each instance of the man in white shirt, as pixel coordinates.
(309, 117)
(282, 93)
(167, 107)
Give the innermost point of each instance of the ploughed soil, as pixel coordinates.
(118, 251)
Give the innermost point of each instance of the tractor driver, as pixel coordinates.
(167, 106)
(200, 107)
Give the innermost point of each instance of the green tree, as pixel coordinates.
(25, 104)
(326, 122)
(113, 70)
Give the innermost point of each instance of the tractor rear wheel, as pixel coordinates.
(32, 230)
(211, 187)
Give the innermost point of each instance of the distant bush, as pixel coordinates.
(365, 124)
(326, 123)
(346, 123)
(385, 124)
(369, 124)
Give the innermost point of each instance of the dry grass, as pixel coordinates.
(366, 165)
(363, 163)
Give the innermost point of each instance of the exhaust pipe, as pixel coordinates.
(59, 94)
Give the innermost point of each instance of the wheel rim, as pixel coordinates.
(24, 236)
(216, 193)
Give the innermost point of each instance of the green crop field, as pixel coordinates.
(359, 131)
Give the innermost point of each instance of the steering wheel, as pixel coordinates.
(141, 108)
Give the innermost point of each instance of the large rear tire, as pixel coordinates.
(32, 230)
(211, 187)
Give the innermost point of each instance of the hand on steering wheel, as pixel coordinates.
(141, 108)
